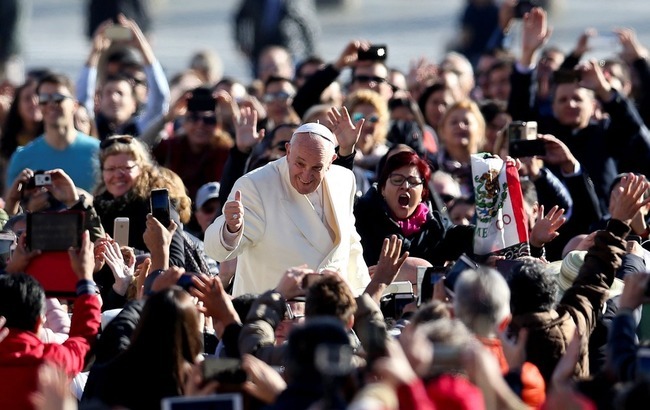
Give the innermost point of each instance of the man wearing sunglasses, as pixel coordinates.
(61, 145)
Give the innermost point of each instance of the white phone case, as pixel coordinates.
(121, 231)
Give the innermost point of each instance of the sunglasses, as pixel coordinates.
(44, 98)
(358, 116)
(122, 139)
(207, 119)
(281, 95)
(369, 78)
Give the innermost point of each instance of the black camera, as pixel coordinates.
(373, 53)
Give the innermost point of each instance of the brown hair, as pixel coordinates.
(177, 193)
(330, 296)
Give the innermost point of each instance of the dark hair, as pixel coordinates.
(277, 79)
(403, 159)
(330, 296)
(243, 303)
(167, 335)
(22, 301)
(532, 290)
(14, 123)
(114, 78)
(491, 108)
(429, 312)
(308, 60)
(428, 92)
(57, 79)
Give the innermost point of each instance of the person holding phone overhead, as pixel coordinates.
(293, 211)
(128, 177)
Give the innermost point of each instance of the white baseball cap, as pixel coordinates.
(206, 192)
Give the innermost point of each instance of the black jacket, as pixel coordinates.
(436, 242)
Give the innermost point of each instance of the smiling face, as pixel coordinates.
(573, 105)
(404, 198)
(28, 107)
(459, 133)
(117, 101)
(309, 157)
(57, 114)
(120, 172)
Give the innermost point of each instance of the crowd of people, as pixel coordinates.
(312, 229)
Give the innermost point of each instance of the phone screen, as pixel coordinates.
(463, 263)
(223, 370)
(54, 231)
(160, 206)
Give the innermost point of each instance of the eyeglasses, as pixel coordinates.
(44, 98)
(368, 79)
(122, 139)
(208, 119)
(121, 170)
(358, 116)
(281, 95)
(398, 180)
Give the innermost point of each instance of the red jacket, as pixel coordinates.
(22, 352)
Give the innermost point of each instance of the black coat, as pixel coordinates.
(437, 241)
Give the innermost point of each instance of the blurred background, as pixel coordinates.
(411, 28)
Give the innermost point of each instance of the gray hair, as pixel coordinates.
(482, 300)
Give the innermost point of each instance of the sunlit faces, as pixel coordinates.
(120, 172)
(368, 137)
(200, 127)
(459, 131)
(309, 157)
(436, 106)
(28, 107)
(59, 113)
(278, 96)
(573, 105)
(403, 198)
(117, 101)
(373, 76)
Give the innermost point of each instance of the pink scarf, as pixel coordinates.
(413, 223)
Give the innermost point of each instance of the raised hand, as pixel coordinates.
(627, 198)
(138, 39)
(83, 260)
(557, 153)
(347, 134)
(545, 229)
(387, 267)
(62, 188)
(246, 135)
(632, 49)
(290, 284)
(535, 33)
(21, 256)
(350, 54)
(263, 382)
(233, 212)
(592, 77)
(216, 302)
(123, 272)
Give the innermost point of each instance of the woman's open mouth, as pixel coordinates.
(404, 200)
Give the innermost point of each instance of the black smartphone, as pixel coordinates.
(526, 148)
(222, 369)
(54, 231)
(463, 263)
(201, 100)
(376, 52)
(432, 275)
(160, 206)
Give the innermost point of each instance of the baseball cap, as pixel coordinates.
(206, 192)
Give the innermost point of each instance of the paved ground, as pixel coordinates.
(411, 28)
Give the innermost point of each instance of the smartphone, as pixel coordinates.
(121, 231)
(522, 130)
(604, 42)
(527, 148)
(54, 231)
(376, 52)
(118, 33)
(430, 276)
(462, 264)
(222, 369)
(7, 245)
(201, 100)
(185, 281)
(160, 206)
(309, 279)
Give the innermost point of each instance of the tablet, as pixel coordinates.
(225, 401)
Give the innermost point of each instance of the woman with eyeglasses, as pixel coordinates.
(398, 204)
(128, 176)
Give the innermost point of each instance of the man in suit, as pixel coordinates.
(294, 211)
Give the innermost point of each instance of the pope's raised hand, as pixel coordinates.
(233, 211)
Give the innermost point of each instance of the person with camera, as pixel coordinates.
(22, 304)
(61, 145)
(603, 147)
(122, 109)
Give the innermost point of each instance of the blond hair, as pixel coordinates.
(177, 193)
(373, 98)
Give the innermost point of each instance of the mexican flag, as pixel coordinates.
(501, 225)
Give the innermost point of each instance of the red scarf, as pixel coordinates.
(413, 223)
